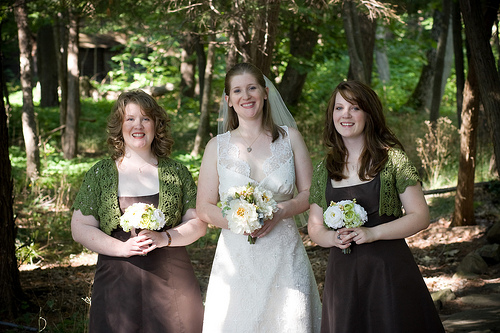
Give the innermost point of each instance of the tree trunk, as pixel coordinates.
(10, 285)
(496, 41)
(188, 67)
(352, 30)
(241, 30)
(302, 43)
(204, 126)
(61, 44)
(383, 69)
(456, 20)
(234, 45)
(202, 64)
(464, 199)
(266, 27)
(360, 34)
(439, 80)
(47, 67)
(484, 62)
(73, 111)
(439, 68)
(422, 95)
(28, 116)
(367, 42)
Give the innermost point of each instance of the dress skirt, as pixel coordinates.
(155, 293)
(378, 286)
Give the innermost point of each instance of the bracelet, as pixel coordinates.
(169, 238)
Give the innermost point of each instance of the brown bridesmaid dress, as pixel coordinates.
(378, 287)
(145, 294)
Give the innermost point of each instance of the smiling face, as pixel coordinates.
(246, 96)
(138, 129)
(349, 119)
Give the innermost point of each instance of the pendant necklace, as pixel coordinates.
(249, 146)
(154, 164)
(145, 165)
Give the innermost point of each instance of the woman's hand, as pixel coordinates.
(360, 235)
(138, 245)
(150, 240)
(268, 225)
(324, 236)
(342, 238)
(188, 231)
(85, 230)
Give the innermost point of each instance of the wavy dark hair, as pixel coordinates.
(162, 141)
(378, 137)
(267, 119)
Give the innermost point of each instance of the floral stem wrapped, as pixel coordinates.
(246, 208)
(345, 214)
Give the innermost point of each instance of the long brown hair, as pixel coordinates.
(162, 142)
(378, 137)
(232, 117)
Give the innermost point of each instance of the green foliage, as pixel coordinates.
(92, 126)
(151, 58)
(26, 248)
(42, 207)
(439, 150)
(193, 163)
(132, 70)
(211, 238)
(441, 206)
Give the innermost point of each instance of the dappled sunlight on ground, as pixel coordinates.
(61, 288)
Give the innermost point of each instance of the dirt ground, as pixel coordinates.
(60, 291)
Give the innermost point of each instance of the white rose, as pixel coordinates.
(159, 218)
(360, 212)
(265, 202)
(242, 217)
(334, 217)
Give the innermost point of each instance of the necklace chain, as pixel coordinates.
(145, 165)
(154, 164)
(249, 146)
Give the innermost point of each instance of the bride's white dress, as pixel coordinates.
(268, 286)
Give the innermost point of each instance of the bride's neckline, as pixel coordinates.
(245, 162)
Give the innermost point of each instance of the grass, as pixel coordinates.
(42, 209)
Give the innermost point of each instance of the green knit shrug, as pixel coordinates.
(398, 173)
(98, 194)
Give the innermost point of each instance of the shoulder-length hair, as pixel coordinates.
(378, 137)
(162, 141)
(267, 119)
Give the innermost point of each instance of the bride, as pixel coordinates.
(268, 286)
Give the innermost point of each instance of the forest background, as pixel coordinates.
(65, 62)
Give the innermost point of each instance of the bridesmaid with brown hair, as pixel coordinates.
(378, 286)
(144, 282)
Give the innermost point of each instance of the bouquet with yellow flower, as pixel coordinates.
(345, 213)
(246, 208)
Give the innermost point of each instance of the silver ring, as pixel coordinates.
(355, 233)
(338, 236)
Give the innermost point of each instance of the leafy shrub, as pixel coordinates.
(439, 151)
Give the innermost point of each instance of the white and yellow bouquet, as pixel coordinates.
(246, 208)
(142, 216)
(345, 214)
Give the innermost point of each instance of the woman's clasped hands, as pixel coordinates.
(141, 244)
(345, 236)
